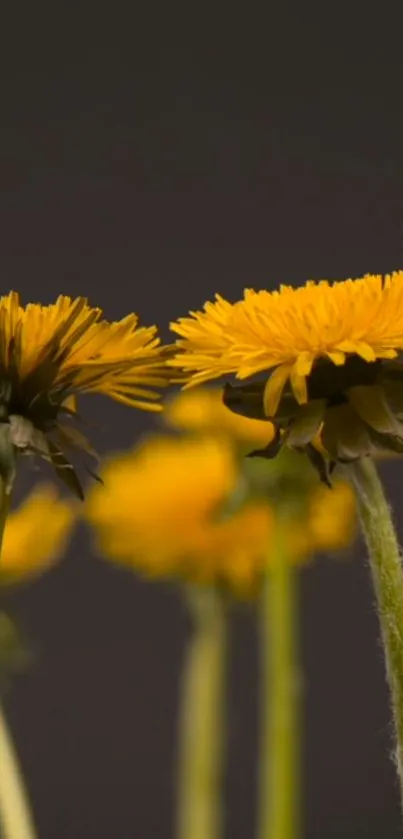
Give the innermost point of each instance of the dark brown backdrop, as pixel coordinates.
(148, 160)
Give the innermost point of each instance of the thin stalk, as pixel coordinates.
(15, 815)
(387, 576)
(279, 775)
(4, 510)
(202, 719)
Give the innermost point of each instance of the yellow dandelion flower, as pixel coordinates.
(160, 510)
(330, 522)
(332, 518)
(205, 341)
(35, 535)
(332, 352)
(171, 509)
(203, 411)
(51, 354)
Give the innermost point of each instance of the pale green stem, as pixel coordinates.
(4, 509)
(279, 775)
(15, 816)
(387, 576)
(202, 716)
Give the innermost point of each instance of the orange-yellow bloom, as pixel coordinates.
(35, 535)
(178, 508)
(293, 327)
(330, 352)
(330, 522)
(161, 509)
(50, 354)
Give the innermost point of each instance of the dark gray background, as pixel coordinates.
(147, 161)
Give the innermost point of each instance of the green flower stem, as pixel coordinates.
(202, 726)
(279, 805)
(4, 510)
(15, 816)
(387, 575)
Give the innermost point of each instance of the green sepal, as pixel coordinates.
(246, 400)
(306, 423)
(323, 466)
(7, 457)
(94, 475)
(371, 405)
(271, 450)
(345, 435)
(393, 391)
(287, 409)
(73, 438)
(65, 471)
(386, 442)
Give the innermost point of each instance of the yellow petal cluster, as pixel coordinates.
(68, 345)
(35, 535)
(290, 329)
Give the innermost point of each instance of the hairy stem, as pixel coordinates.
(387, 576)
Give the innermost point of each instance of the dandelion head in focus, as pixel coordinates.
(35, 535)
(330, 355)
(49, 355)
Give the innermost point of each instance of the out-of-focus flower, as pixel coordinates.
(49, 355)
(35, 535)
(202, 411)
(178, 508)
(161, 510)
(332, 357)
(330, 523)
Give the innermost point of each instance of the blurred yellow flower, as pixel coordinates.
(35, 535)
(203, 411)
(330, 523)
(160, 511)
(175, 508)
